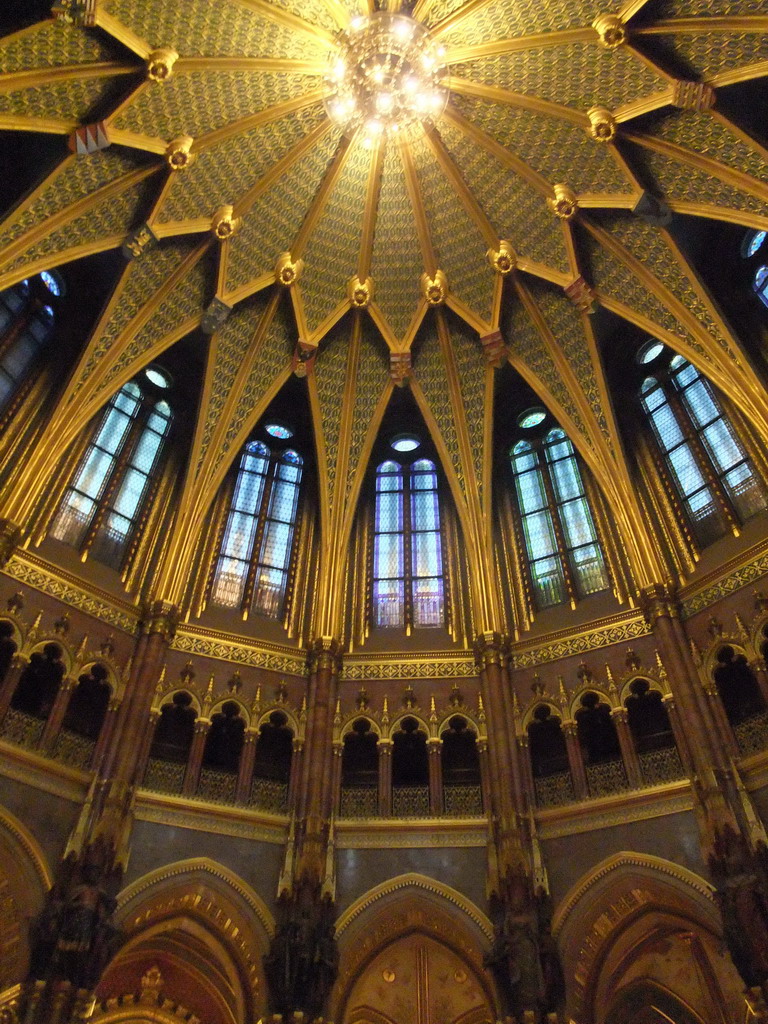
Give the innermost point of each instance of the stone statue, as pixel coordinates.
(73, 938)
(523, 957)
(740, 876)
(302, 963)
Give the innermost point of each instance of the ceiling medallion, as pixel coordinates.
(385, 78)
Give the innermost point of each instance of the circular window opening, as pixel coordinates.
(531, 418)
(279, 430)
(405, 443)
(157, 377)
(753, 241)
(52, 282)
(649, 351)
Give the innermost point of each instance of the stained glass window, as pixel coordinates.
(252, 568)
(553, 506)
(699, 446)
(753, 243)
(761, 284)
(407, 547)
(104, 499)
(20, 347)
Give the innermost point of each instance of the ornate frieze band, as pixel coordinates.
(240, 652)
(439, 666)
(740, 577)
(35, 573)
(580, 643)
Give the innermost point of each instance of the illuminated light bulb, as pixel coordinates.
(411, 84)
(357, 23)
(403, 29)
(441, 51)
(384, 102)
(373, 127)
(340, 69)
(378, 74)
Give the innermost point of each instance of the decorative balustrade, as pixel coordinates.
(410, 801)
(554, 790)
(164, 776)
(216, 786)
(22, 729)
(73, 749)
(752, 734)
(359, 802)
(269, 795)
(660, 766)
(606, 778)
(463, 801)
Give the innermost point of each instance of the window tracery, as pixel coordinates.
(407, 555)
(252, 568)
(561, 544)
(707, 462)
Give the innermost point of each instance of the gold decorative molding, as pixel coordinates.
(177, 153)
(739, 572)
(435, 288)
(611, 31)
(504, 259)
(360, 292)
(564, 204)
(413, 880)
(613, 811)
(602, 124)
(439, 665)
(37, 573)
(160, 64)
(201, 816)
(288, 270)
(44, 774)
(565, 643)
(239, 650)
(224, 224)
(410, 833)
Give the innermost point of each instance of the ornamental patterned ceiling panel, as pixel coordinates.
(205, 152)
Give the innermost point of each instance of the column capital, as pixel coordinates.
(621, 713)
(324, 652)
(490, 648)
(569, 725)
(160, 618)
(10, 535)
(202, 725)
(659, 601)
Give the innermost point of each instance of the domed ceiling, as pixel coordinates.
(201, 145)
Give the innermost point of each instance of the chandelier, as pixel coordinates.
(385, 78)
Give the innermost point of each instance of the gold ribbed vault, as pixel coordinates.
(561, 114)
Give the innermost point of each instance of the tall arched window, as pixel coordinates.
(407, 551)
(26, 324)
(103, 502)
(252, 568)
(564, 555)
(703, 455)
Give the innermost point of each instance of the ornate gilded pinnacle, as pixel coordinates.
(224, 224)
(602, 124)
(160, 64)
(360, 292)
(288, 270)
(504, 259)
(434, 289)
(177, 153)
(564, 203)
(611, 31)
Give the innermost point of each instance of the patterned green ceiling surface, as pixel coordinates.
(270, 183)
